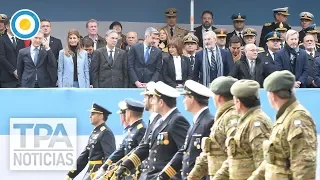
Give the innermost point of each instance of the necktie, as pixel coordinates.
(35, 59)
(171, 32)
(110, 58)
(281, 44)
(311, 54)
(192, 61)
(14, 42)
(252, 67)
(146, 54)
(206, 30)
(213, 61)
(240, 36)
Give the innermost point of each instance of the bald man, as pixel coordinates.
(255, 72)
(132, 38)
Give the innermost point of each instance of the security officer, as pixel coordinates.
(238, 24)
(173, 30)
(280, 15)
(100, 145)
(2, 26)
(154, 117)
(166, 138)
(306, 19)
(213, 148)
(250, 37)
(245, 147)
(282, 28)
(191, 45)
(273, 40)
(221, 38)
(291, 151)
(196, 100)
(132, 110)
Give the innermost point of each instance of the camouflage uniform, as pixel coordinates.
(291, 152)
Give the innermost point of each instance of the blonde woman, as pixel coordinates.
(73, 65)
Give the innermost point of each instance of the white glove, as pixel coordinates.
(99, 174)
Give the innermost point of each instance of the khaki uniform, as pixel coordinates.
(292, 149)
(245, 148)
(214, 150)
(178, 32)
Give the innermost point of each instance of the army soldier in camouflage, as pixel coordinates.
(213, 148)
(173, 30)
(2, 26)
(291, 151)
(244, 149)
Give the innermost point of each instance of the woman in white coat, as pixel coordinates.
(73, 65)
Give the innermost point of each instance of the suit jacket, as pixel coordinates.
(141, 71)
(241, 70)
(105, 75)
(198, 33)
(45, 69)
(8, 58)
(282, 60)
(185, 158)
(233, 33)
(311, 64)
(66, 70)
(55, 46)
(100, 145)
(198, 65)
(169, 70)
(162, 145)
(101, 42)
(316, 70)
(269, 65)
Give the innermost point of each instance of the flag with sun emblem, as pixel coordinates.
(25, 24)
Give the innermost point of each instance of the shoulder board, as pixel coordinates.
(300, 44)
(267, 24)
(289, 25)
(139, 126)
(102, 128)
(261, 50)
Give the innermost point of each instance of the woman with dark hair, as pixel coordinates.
(176, 68)
(73, 65)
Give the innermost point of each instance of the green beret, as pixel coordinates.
(222, 84)
(245, 88)
(279, 80)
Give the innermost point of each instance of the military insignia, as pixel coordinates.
(102, 128)
(257, 123)
(190, 38)
(267, 24)
(305, 16)
(267, 55)
(162, 45)
(275, 35)
(249, 31)
(171, 11)
(233, 121)
(297, 122)
(221, 31)
(239, 16)
(139, 126)
(166, 138)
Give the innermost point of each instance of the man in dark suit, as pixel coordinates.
(273, 40)
(249, 66)
(238, 24)
(109, 64)
(211, 62)
(196, 100)
(165, 140)
(145, 60)
(207, 25)
(279, 15)
(100, 146)
(36, 65)
(9, 48)
(293, 59)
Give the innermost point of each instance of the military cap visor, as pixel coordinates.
(306, 16)
(196, 89)
(284, 11)
(171, 12)
(99, 109)
(190, 38)
(134, 105)
(163, 90)
(273, 36)
(238, 17)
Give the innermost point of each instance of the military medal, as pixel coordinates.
(166, 139)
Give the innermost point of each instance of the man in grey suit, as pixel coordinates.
(109, 65)
(145, 60)
(37, 65)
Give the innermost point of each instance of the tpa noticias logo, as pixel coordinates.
(43, 143)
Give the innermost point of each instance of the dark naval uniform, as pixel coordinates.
(236, 18)
(185, 158)
(100, 145)
(2, 18)
(163, 142)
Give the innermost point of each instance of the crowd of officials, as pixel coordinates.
(170, 54)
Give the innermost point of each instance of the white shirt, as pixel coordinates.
(195, 117)
(10, 37)
(237, 32)
(168, 113)
(32, 52)
(152, 116)
(271, 54)
(113, 51)
(177, 65)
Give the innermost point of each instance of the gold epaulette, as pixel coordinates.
(102, 128)
(109, 162)
(139, 126)
(170, 171)
(165, 49)
(135, 160)
(300, 44)
(267, 24)
(260, 50)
